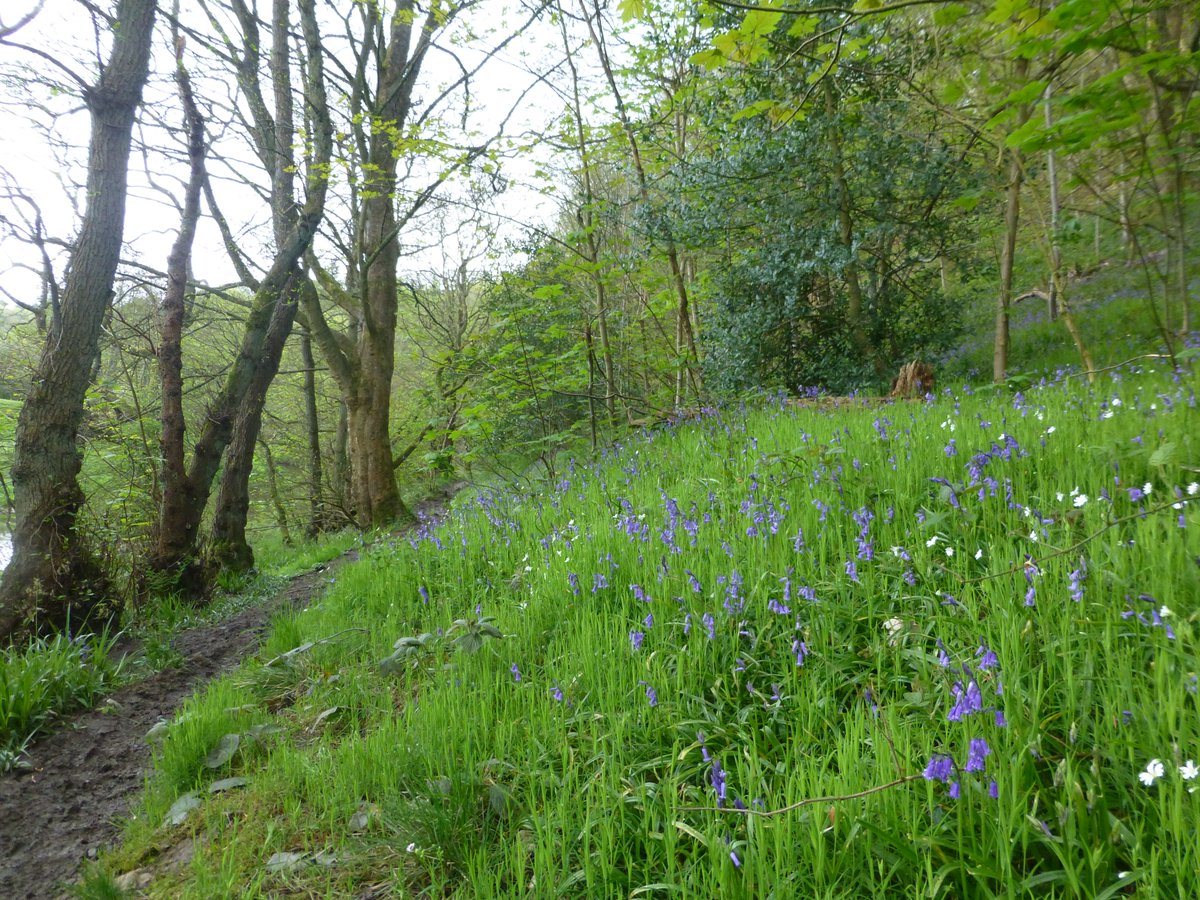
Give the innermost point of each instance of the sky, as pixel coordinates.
(43, 137)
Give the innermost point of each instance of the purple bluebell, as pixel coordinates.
(716, 777)
(967, 701)
(801, 650)
(516, 673)
(987, 659)
(636, 638)
(940, 768)
(977, 751)
(943, 657)
(852, 570)
(710, 624)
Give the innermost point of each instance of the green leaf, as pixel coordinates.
(632, 9)
(179, 810)
(803, 26)
(759, 23)
(754, 109)
(227, 784)
(223, 752)
(1164, 455)
(285, 861)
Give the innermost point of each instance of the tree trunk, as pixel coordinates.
(175, 494)
(683, 312)
(281, 521)
(228, 548)
(1052, 178)
(854, 292)
(373, 490)
(587, 221)
(1012, 219)
(312, 429)
(52, 575)
(232, 420)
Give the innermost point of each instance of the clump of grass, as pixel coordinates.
(44, 680)
(273, 557)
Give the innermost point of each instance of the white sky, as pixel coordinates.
(47, 155)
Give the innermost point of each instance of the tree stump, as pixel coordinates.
(916, 379)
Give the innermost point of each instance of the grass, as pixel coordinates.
(918, 650)
(47, 678)
(273, 557)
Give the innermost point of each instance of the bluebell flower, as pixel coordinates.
(636, 638)
(977, 751)
(516, 673)
(987, 659)
(716, 776)
(940, 768)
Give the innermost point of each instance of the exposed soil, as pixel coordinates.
(86, 773)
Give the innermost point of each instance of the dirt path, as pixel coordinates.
(86, 773)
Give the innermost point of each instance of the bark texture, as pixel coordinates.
(52, 576)
(174, 493)
(232, 422)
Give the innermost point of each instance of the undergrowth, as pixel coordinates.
(939, 649)
(46, 679)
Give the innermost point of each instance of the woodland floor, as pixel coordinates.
(84, 775)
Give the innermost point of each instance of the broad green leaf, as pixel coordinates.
(803, 26)
(1164, 455)
(226, 784)
(223, 752)
(759, 23)
(754, 109)
(179, 810)
(285, 861)
(632, 9)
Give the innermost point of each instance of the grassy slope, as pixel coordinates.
(587, 776)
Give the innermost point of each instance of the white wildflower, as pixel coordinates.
(1080, 501)
(1154, 771)
(1188, 770)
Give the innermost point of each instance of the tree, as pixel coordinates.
(385, 126)
(234, 417)
(52, 576)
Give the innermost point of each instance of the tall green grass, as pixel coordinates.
(47, 678)
(732, 653)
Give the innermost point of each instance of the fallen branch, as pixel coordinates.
(834, 798)
(1091, 537)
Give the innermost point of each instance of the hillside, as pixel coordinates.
(941, 648)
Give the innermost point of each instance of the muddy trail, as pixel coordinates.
(84, 775)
